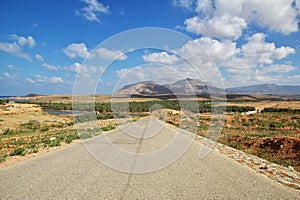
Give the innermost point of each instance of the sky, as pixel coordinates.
(58, 47)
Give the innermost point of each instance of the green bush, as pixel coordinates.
(108, 128)
(44, 128)
(105, 116)
(8, 132)
(3, 157)
(32, 124)
(18, 151)
(275, 125)
(4, 101)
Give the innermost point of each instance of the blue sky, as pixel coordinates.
(44, 44)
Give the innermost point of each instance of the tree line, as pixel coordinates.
(145, 106)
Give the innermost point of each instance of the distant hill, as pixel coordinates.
(184, 86)
(265, 89)
(194, 86)
(147, 88)
(34, 95)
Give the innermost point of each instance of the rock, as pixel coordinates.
(291, 168)
(52, 138)
(263, 167)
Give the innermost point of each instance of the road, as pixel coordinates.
(73, 173)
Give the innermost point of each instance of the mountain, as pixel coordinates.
(143, 88)
(265, 89)
(33, 95)
(194, 86)
(184, 86)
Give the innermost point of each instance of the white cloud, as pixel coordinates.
(23, 41)
(75, 67)
(76, 50)
(11, 77)
(195, 60)
(155, 72)
(254, 62)
(6, 75)
(14, 49)
(110, 54)
(205, 7)
(298, 5)
(92, 9)
(275, 73)
(215, 15)
(187, 4)
(56, 79)
(13, 68)
(260, 51)
(295, 78)
(279, 68)
(205, 50)
(279, 16)
(39, 58)
(44, 79)
(50, 67)
(226, 26)
(162, 57)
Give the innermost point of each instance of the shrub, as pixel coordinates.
(108, 128)
(45, 128)
(105, 116)
(32, 124)
(275, 125)
(3, 157)
(18, 151)
(4, 101)
(8, 132)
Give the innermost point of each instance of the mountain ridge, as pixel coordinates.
(195, 86)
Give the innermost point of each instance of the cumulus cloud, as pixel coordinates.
(162, 57)
(39, 58)
(24, 41)
(75, 50)
(110, 54)
(212, 16)
(205, 7)
(274, 73)
(75, 67)
(260, 51)
(14, 49)
(205, 50)
(226, 26)
(45, 79)
(253, 62)
(92, 9)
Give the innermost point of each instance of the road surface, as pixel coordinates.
(73, 173)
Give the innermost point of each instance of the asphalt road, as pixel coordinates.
(73, 173)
